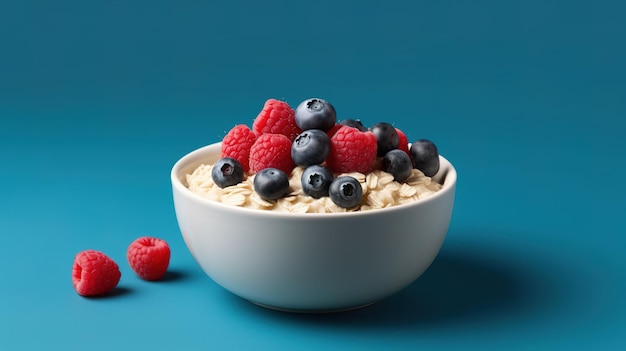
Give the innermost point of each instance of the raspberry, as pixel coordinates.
(403, 142)
(352, 151)
(149, 257)
(237, 143)
(334, 129)
(94, 273)
(277, 117)
(271, 150)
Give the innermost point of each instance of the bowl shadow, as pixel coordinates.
(461, 287)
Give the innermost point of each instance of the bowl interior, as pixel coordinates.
(447, 177)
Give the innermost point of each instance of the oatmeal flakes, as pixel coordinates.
(379, 191)
(371, 180)
(234, 199)
(407, 190)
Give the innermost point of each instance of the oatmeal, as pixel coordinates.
(379, 191)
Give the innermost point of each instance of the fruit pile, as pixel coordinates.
(94, 273)
(309, 136)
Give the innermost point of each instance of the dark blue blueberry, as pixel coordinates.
(315, 114)
(425, 157)
(355, 123)
(316, 180)
(310, 147)
(271, 183)
(226, 172)
(398, 163)
(386, 137)
(345, 191)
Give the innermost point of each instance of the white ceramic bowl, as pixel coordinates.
(311, 262)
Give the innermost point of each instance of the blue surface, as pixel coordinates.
(526, 98)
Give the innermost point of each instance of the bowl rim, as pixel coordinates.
(447, 172)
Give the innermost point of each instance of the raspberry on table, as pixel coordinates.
(94, 273)
(276, 117)
(271, 150)
(149, 257)
(237, 143)
(352, 151)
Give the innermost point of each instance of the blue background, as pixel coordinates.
(98, 99)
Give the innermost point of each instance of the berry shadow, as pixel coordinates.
(174, 275)
(461, 288)
(116, 292)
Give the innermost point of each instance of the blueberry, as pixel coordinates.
(271, 183)
(345, 191)
(355, 123)
(315, 114)
(316, 180)
(398, 163)
(226, 172)
(310, 147)
(425, 157)
(386, 137)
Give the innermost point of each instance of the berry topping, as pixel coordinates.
(345, 191)
(351, 151)
(276, 117)
(354, 123)
(310, 137)
(425, 157)
(94, 273)
(311, 147)
(315, 114)
(227, 171)
(334, 129)
(398, 163)
(149, 257)
(271, 150)
(403, 142)
(386, 136)
(237, 144)
(271, 183)
(316, 180)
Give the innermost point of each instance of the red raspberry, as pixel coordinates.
(277, 117)
(403, 142)
(94, 273)
(271, 150)
(237, 144)
(352, 151)
(334, 129)
(149, 257)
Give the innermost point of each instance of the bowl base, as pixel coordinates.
(313, 311)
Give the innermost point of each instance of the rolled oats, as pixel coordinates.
(379, 191)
